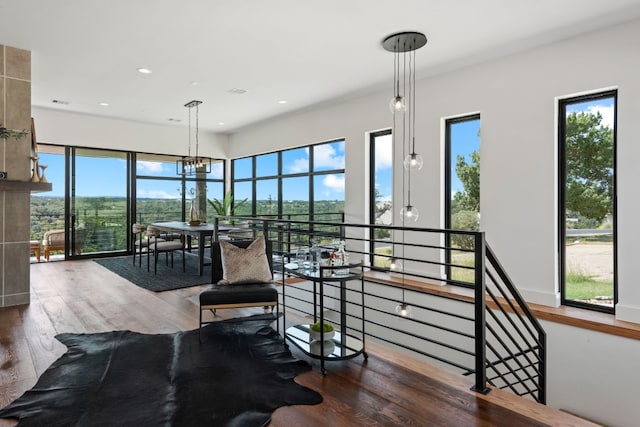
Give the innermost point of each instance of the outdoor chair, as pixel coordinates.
(54, 241)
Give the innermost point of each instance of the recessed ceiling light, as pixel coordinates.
(171, 119)
(194, 83)
(144, 71)
(237, 91)
(103, 104)
(282, 101)
(60, 101)
(221, 123)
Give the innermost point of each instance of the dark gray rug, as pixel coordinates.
(236, 376)
(167, 278)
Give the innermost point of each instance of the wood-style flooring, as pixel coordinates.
(389, 389)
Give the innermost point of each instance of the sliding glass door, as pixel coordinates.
(97, 205)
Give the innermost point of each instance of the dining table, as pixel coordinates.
(201, 231)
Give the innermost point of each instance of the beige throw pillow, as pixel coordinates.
(240, 265)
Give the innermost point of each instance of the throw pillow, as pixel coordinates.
(244, 265)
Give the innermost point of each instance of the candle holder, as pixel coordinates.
(43, 178)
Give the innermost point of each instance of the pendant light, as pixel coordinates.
(403, 309)
(193, 165)
(403, 102)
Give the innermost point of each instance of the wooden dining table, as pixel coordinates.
(200, 231)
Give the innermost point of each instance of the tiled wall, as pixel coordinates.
(15, 113)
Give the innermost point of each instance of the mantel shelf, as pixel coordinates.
(34, 187)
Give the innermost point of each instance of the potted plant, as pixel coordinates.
(226, 206)
(314, 331)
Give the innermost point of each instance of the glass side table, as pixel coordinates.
(341, 343)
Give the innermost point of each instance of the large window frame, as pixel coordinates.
(186, 188)
(448, 186)
(179, 185)
(255, 178)
(563, 104)
(379, 262)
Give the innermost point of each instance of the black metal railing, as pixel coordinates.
(479, 326)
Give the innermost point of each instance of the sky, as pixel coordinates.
(465, 139)
(97, 176)
(603, 106)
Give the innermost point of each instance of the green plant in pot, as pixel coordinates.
(317, 327)
(226, 206)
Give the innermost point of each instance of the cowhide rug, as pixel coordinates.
(237, 376)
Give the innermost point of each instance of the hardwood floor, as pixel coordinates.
(389, 389)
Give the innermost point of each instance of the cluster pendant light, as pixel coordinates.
(192, 165)
(402, 105)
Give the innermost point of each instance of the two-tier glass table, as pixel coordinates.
(342, 343)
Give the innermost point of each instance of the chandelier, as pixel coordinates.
(193, 165)
(403, 103)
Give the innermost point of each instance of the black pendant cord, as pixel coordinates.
(404, 146)
(396, 72)
(197, 115)
(189, 151)
(406, 133)
(412, 76)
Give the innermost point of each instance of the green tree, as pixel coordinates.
(382, 207)
(464, 220)
(589, 165)
(469, 175)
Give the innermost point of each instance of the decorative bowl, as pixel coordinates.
(195, 222)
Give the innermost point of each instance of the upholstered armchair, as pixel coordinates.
(241, 276)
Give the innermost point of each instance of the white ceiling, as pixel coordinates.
(87, 51)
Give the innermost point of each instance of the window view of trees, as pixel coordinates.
(381, 196)
(463, 184)
(300, 183)
(100, 203)
(587, 194)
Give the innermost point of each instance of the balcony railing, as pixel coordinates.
(478, 325)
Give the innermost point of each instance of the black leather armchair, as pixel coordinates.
(217, 296)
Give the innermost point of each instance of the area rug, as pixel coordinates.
(237, 375)
(166, 279)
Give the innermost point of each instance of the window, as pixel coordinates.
(299, 183)
(381, 195)
(587, 216)
(462, 193)
(163, 195)
(101, 192)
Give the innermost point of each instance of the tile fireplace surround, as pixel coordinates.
(15, 113)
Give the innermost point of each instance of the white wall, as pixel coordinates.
(64, 128)
(516, 97)
(593, 374)
(590, 373)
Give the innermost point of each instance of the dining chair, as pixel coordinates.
(140, 242)
(156, 246)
